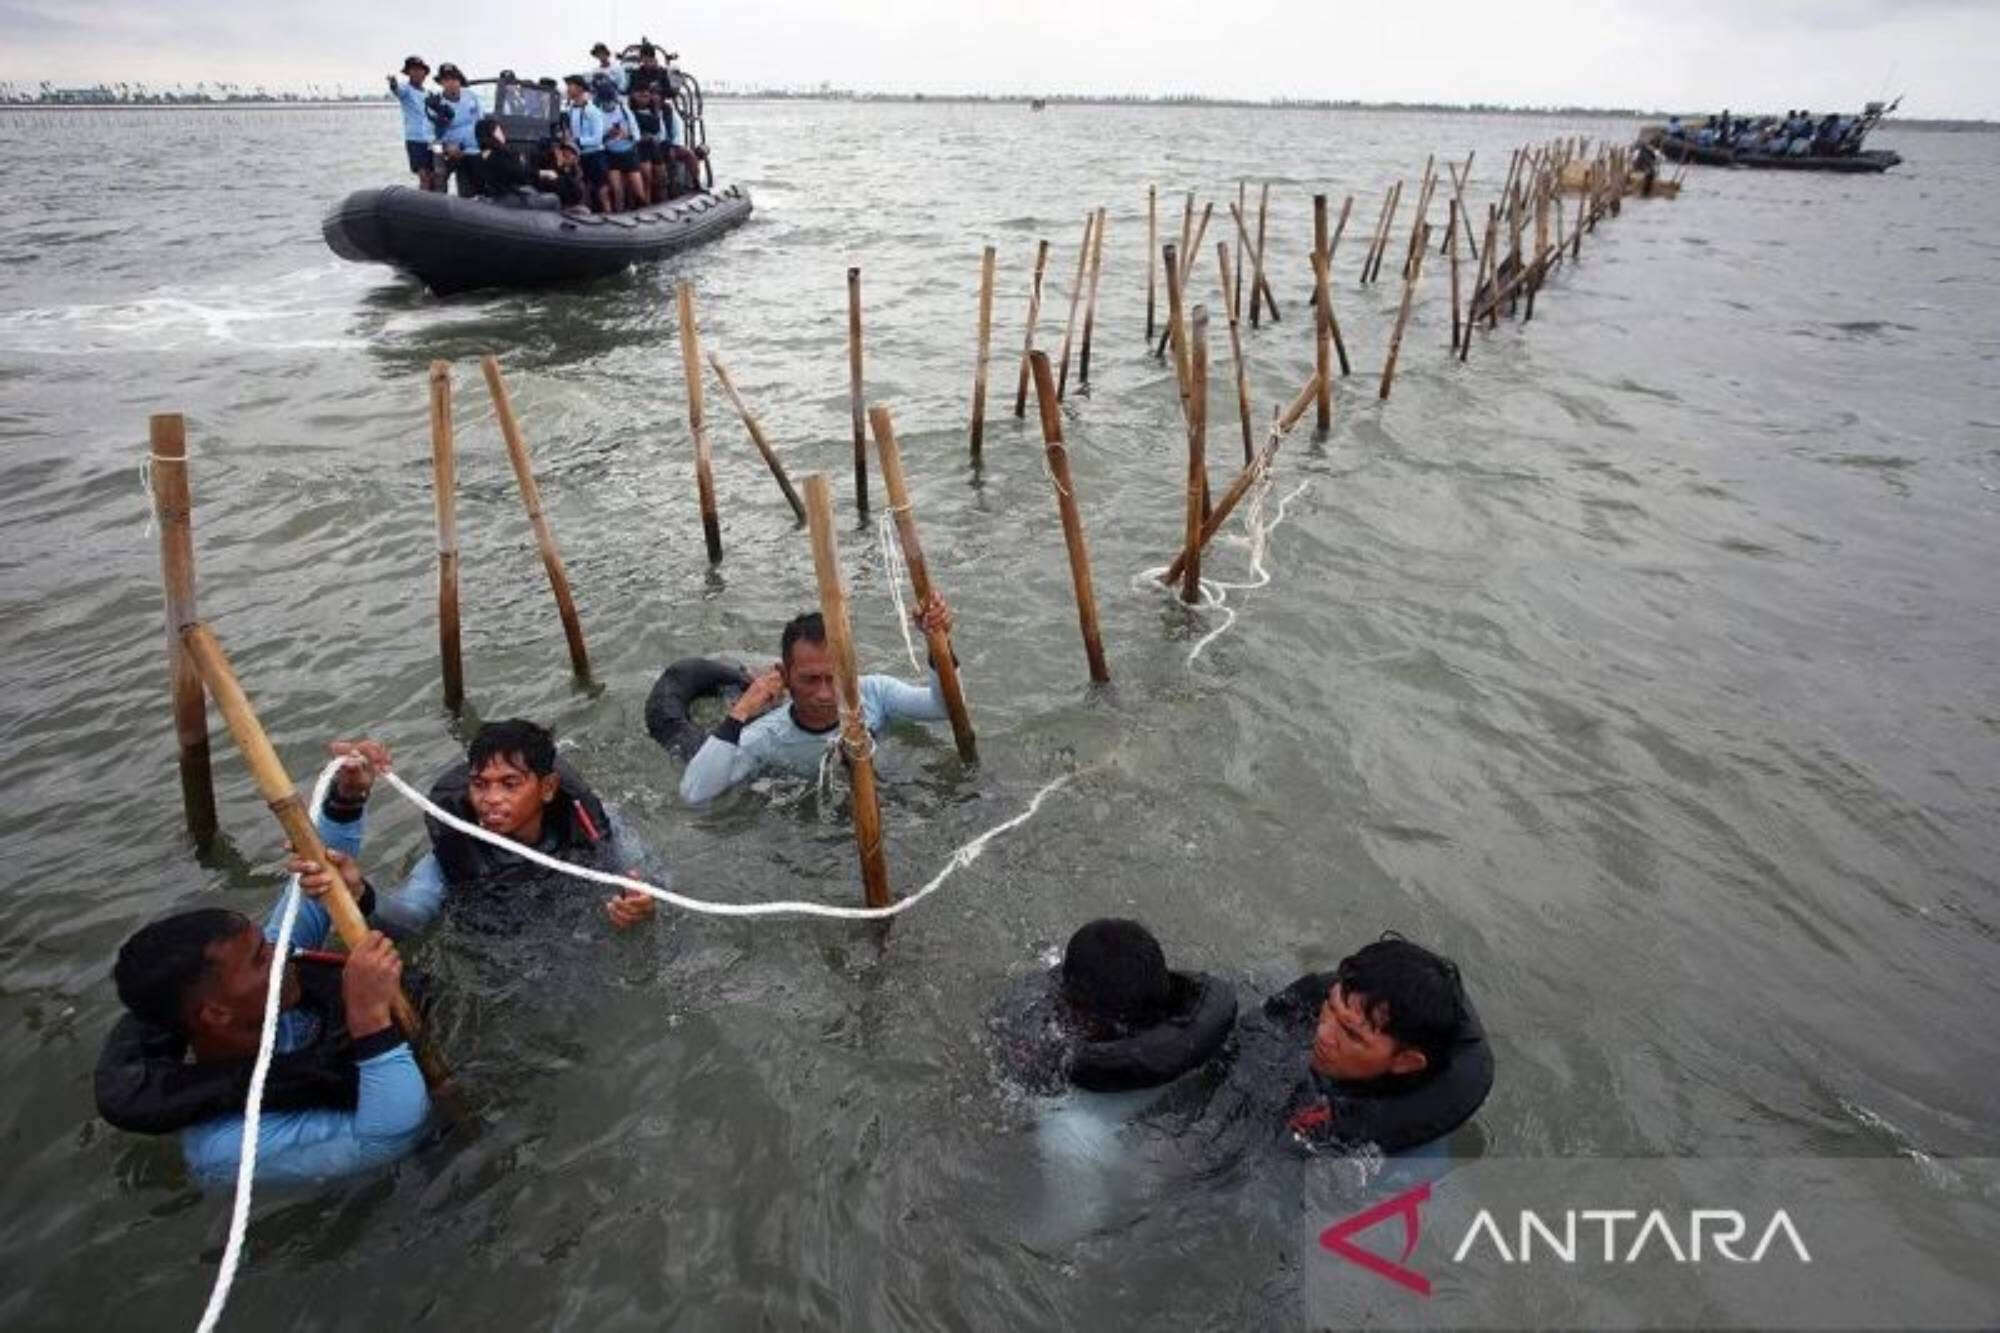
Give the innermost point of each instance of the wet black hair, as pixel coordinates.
(1114, 971)
(1412, 994)
(162, 962)
(811, 627)
(516, 739)
(578, 80)
(483, 130)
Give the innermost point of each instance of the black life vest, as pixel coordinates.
(145, 1083)
(1394, 1113)
(575, 826)
(1042, 1048)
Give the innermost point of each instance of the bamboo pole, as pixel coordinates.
(855, 742)
(986, 262)
(531, 498)
(1576, 235)
(1451, 243)
(444, 494)
(278, 791)
(1372, 260)
(1072, 524)
(1197, 464)
(1034, 313)
(943, 660)
(173, 511)
(1425, 185)
(756, 430)
(1492, 272)
(1187, 226)
(1152, 253)
(1244, 479)
(854, 395)
(1403, 314)
(1257, 257)
(1090, 304)
(1236, 349)
(1176, 325)
(1322, 266)
(1322, 334)
(1075, 300)
(1243, 255)
(1186, 263)
(1458, 182)
(704, 471)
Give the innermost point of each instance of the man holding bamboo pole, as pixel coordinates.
(757, 734)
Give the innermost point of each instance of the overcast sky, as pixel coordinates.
(1679, 54)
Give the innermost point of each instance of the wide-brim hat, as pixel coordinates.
(415, 62)
(450, 71)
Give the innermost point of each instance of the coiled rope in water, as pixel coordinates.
(1215, 592)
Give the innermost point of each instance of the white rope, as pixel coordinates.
(1215, 592)
(895, 570)
(246, 1166)
(253, 1105)
(958, 860)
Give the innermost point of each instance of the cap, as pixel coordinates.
(450, 71)
(600, 50)
(415, 62)
(576, 79)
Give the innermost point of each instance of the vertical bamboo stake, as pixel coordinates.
(1243, 254)
(444, 492)
(986, 261)
(1339, 228)
(1075, 300)
(853, 394)
(1261, 287)
(756, 429)
(1458, 183)
(943, 661)
(704, 473)
(855, 742)
(531, 498)
(1322, 334)
(1576, 236)
(1079, 555)
(1034, 313)
(1187, 224)
(1388, 230)
(278, 791)
(1090, 305)
(1424, 187)
(1403, 314)
(173, 511)
(1236, 348)
(1257, 259)
(1152, 253)
(1177, 327)
(1197, 464)
(1492, 267)
(1322, 266)
(1451, 242)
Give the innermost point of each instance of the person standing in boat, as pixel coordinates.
(585, 125)
(607, 68)
(456, 110)
(416, 122)
(621, 147)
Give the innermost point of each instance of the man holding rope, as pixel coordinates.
(512, 785)
(757, 734)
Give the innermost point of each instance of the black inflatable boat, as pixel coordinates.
(456, 244)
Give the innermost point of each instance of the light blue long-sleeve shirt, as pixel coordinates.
(629, 145)
(416, 123)
(586, 126)
(777, 740)
(465, 113)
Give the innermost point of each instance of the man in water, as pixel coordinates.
(456, 111)
(757, 734)
(512, 785)
(1397, 1057)
(345, 1093)
(417, 134)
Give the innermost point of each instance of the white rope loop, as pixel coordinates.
(253, 1104)
(1215, 592)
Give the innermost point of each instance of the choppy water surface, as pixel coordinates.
(1644, 664)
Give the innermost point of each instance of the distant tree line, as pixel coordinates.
(203, 93)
